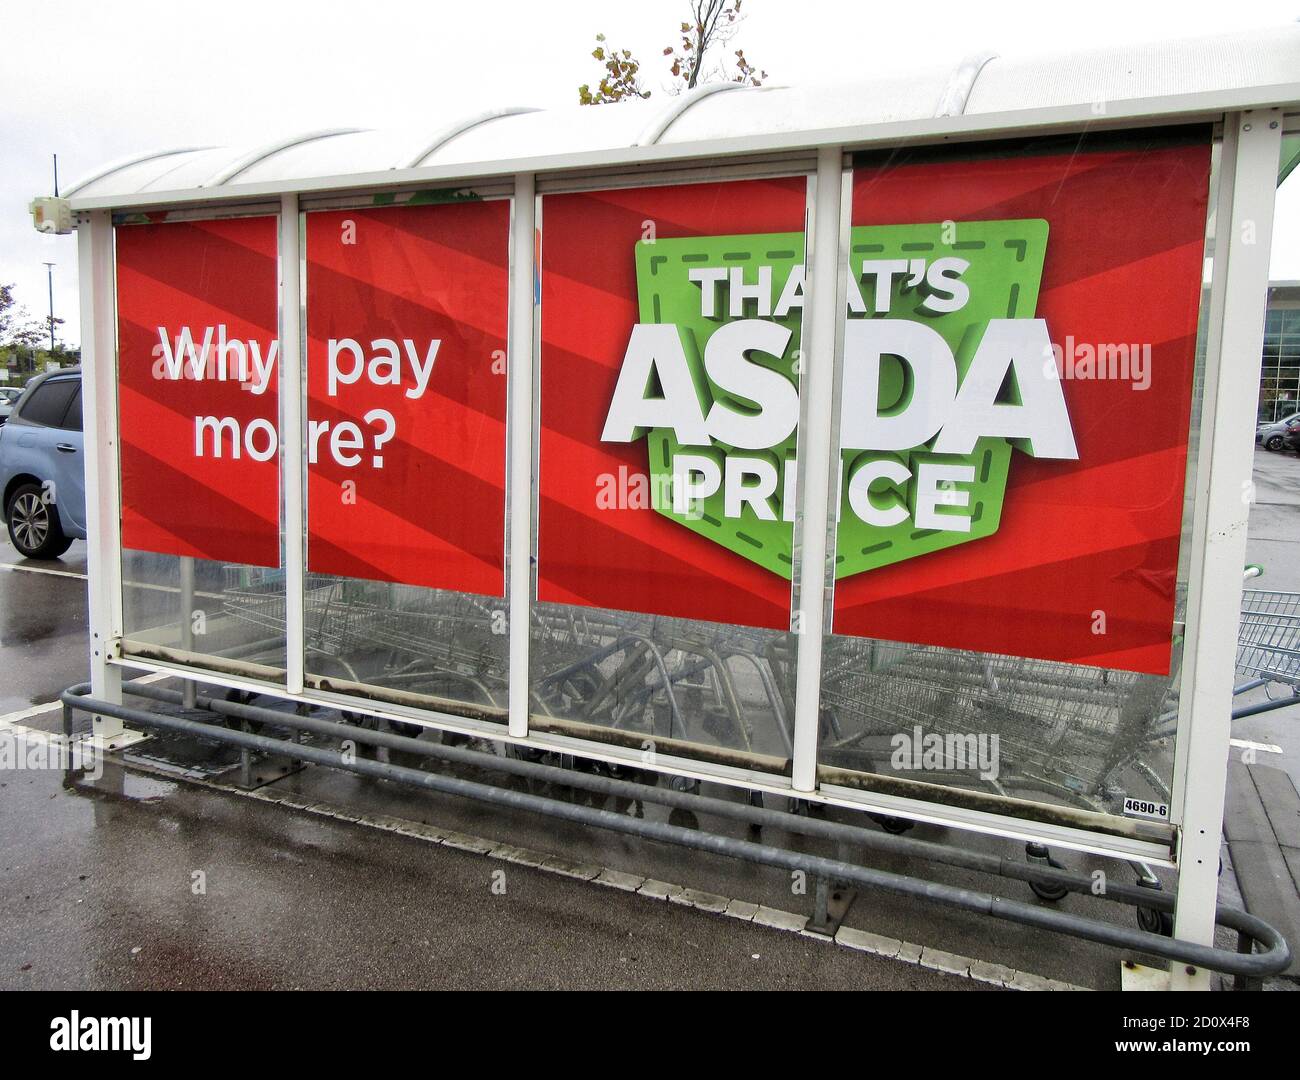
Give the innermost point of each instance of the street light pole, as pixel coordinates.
(49, 273)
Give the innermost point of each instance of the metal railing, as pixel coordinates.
(1247, 964)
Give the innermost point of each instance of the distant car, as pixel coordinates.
(42, 475)
(1291, 438)
(1270, 435)
(9, 396)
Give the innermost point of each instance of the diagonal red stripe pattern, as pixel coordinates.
(176, 500)
(426, 505)
(1091, 543)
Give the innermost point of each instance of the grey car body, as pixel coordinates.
(1270, 435)
(42, 475)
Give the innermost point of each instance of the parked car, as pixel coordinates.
(1291, 437)
(1270, 435)
(42, 474)
(9, 396)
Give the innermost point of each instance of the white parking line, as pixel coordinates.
(1246, 744)
(15, 719)
(42, 570)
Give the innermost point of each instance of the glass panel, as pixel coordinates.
(1015, 403)
(406, 322)
(681, 686)
(669, 411)
(428, 648)
(225, 616)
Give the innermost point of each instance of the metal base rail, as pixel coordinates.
(1033, 873)
(1247, 964)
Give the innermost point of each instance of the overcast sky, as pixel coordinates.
(95, 81)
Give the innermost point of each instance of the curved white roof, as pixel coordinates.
(983, 93)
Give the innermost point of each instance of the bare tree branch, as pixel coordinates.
(711, 27)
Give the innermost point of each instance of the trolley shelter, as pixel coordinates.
(886, 446)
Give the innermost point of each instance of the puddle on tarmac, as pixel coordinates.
(122, 783)
(146, 788)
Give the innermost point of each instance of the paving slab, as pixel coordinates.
(1265, 867)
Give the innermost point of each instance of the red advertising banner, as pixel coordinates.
(407, 314)
(198, 403)
(1034, 507)
(1018, 360)
(633, 378)
(1017, 369)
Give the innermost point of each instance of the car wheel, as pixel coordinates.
(33, 525)
(1274, 443)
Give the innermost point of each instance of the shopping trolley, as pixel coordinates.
(625, 670)
(1073, 733)
(422, 640)
(1268, 646)
(659, 676)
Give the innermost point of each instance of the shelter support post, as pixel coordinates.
(817, 451)
(520, 450)
(292, 442)
(99, 410)
(1243, 228)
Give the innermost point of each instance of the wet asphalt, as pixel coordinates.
(43, 628)
(161, 885)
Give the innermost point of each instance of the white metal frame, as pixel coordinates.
(822, 252)
(1254, 123)
(519, 431)
(293, 388)
(95, 257)
(1234, 350)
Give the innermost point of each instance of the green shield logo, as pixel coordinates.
(1005, 269)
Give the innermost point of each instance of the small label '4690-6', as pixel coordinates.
(1141, 808)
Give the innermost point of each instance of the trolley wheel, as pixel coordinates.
(525, 753)
(1050, 893)
(1045, 890)
(1155, 922)
(243, 697)
(683, 819)
(1150, 919)
(895, 826)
